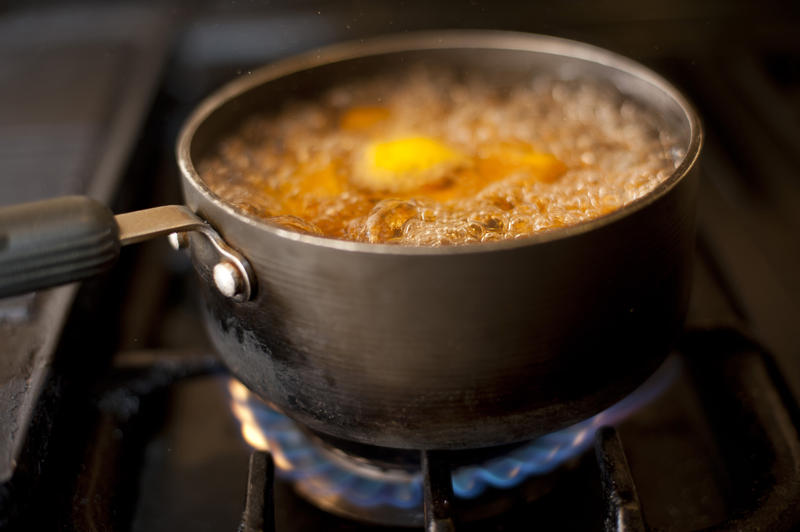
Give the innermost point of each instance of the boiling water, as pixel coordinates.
(429, 158)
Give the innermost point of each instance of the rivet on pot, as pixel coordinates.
(178, 240)
(227, 279)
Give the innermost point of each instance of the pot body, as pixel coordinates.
(461, 347)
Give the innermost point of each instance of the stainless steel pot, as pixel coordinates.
(407, 347)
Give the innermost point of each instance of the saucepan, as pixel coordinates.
(400, 346)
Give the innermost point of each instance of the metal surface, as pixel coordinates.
(231, 272)
(455, 347)
(752, 406)
(384, 486)
(437, 488)
(259, 509)
(623, 510)
(139, 226)
(740, 398)
(228, 280)
(178, 240)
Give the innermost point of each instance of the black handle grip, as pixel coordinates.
(57, 241)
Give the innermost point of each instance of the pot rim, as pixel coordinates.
(433, 40)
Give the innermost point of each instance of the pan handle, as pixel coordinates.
(58, 241)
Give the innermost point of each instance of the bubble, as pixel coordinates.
(493, 221)
(520, 226)
(387, 218)
(614, 150)
(294, 223)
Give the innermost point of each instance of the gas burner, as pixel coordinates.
(385, 486)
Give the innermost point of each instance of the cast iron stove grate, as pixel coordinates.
(749, 406)
(743, 398)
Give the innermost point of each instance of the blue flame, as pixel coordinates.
(300, 461)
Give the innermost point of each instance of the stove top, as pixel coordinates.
(116, 414)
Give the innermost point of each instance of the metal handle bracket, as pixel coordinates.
(233, 275)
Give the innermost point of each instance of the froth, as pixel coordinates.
(296, 168)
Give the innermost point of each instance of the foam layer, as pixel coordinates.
(429, 158)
